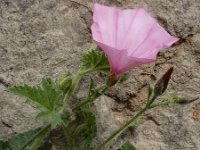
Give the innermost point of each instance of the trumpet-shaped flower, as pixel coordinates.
(129, 37)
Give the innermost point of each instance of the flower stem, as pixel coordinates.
(89, 99)
(70, 91)
(121, 129)
(73, 85)
(125, 126)
(42, 131)
(69, 138)
(39, 139)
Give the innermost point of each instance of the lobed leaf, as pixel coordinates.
(95, 60)
(87, 130)
(48, 95)
(52, 117)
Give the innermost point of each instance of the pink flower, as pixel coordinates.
(129, 37)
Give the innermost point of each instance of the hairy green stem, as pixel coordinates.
(43, 130)
(121, 129)
(161, 104)
(89, 99)
(69, 138)
(150, 102)
(81, 104)
(74, 82)
(96, 69)
(70, 91)
(39, 139)
(125, 126)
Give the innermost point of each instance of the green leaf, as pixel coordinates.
(52, 117)
(127, 146)
(95, 60)
(86, 132)
(90, 130)
(17, 141)
(47, 96)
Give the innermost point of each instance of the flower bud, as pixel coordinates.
(162, 83)
(65, 82)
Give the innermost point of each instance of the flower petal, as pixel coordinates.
(120, 61)
(104, 21)
(129, 37)
(114, 56)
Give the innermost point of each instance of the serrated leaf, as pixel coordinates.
(127, 146)
(48, 95)
(16, 142)
(93, 46)
(90, 130)
(52, 117)
(95, 60)
(87, 130)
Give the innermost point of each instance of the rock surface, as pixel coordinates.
(47, 37)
